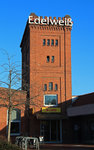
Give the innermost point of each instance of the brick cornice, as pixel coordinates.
(50, 27)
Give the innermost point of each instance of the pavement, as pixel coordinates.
(65, 147)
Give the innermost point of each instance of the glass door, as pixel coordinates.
(50, 130)
(45, 130)
(55, 130)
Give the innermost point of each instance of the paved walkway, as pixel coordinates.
(65, 147)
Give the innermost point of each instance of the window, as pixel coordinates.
(52, 42)
(15, 128)
(56, 87)
(45, 87)
(50, 86)
(48, 42)
(48, 58)
(52, 60)
(44, 42)
(50, 100)
(56, 42)
(15, 122)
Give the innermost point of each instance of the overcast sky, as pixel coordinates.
(13, 17)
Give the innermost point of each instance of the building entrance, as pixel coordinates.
(50, 130)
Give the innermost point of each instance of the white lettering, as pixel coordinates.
(44, 21)
(37, 20)
(47, 20)
(65, 22)
(31, 21)
(70, 23)
(53, 21)
(61, 22)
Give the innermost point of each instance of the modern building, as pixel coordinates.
(46, 69)
(81, 119)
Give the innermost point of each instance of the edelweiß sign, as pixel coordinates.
(47, 21)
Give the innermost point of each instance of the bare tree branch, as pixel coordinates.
(16, 98)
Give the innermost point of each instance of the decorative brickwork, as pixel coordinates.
(40, 70)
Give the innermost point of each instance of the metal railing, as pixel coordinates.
(27, 142)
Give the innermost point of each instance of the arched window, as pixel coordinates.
(48, 58)
(48, 42)
(56, 42)
(50, 86)
(56, 87)
(44, 42)
(45, 87)
(52, 42)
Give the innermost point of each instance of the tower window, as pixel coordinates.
(48, 42)
(56, 42)
(52, 42)
(56, 87)
(45, 87)
(52, 59)
(50, 100)
(50, 86)
(44, 42)
(48, 58)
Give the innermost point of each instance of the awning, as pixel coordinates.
(44, 116)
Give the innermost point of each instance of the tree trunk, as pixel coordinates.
(9, 123)
(10, 108)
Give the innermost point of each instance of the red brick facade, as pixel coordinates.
(43, 62)
(34, 56)
(17, 98)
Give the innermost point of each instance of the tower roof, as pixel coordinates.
(33, 14)
(67, 16)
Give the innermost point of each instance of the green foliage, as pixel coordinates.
(4, 145)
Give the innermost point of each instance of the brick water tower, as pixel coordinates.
(46, 69)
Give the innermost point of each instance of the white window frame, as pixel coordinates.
(51, 95)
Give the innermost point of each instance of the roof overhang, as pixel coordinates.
(81, 110)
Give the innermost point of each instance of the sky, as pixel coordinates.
(13, 17)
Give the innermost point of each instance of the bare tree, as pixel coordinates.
(11, 96)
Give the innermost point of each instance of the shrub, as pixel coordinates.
(4, 145)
